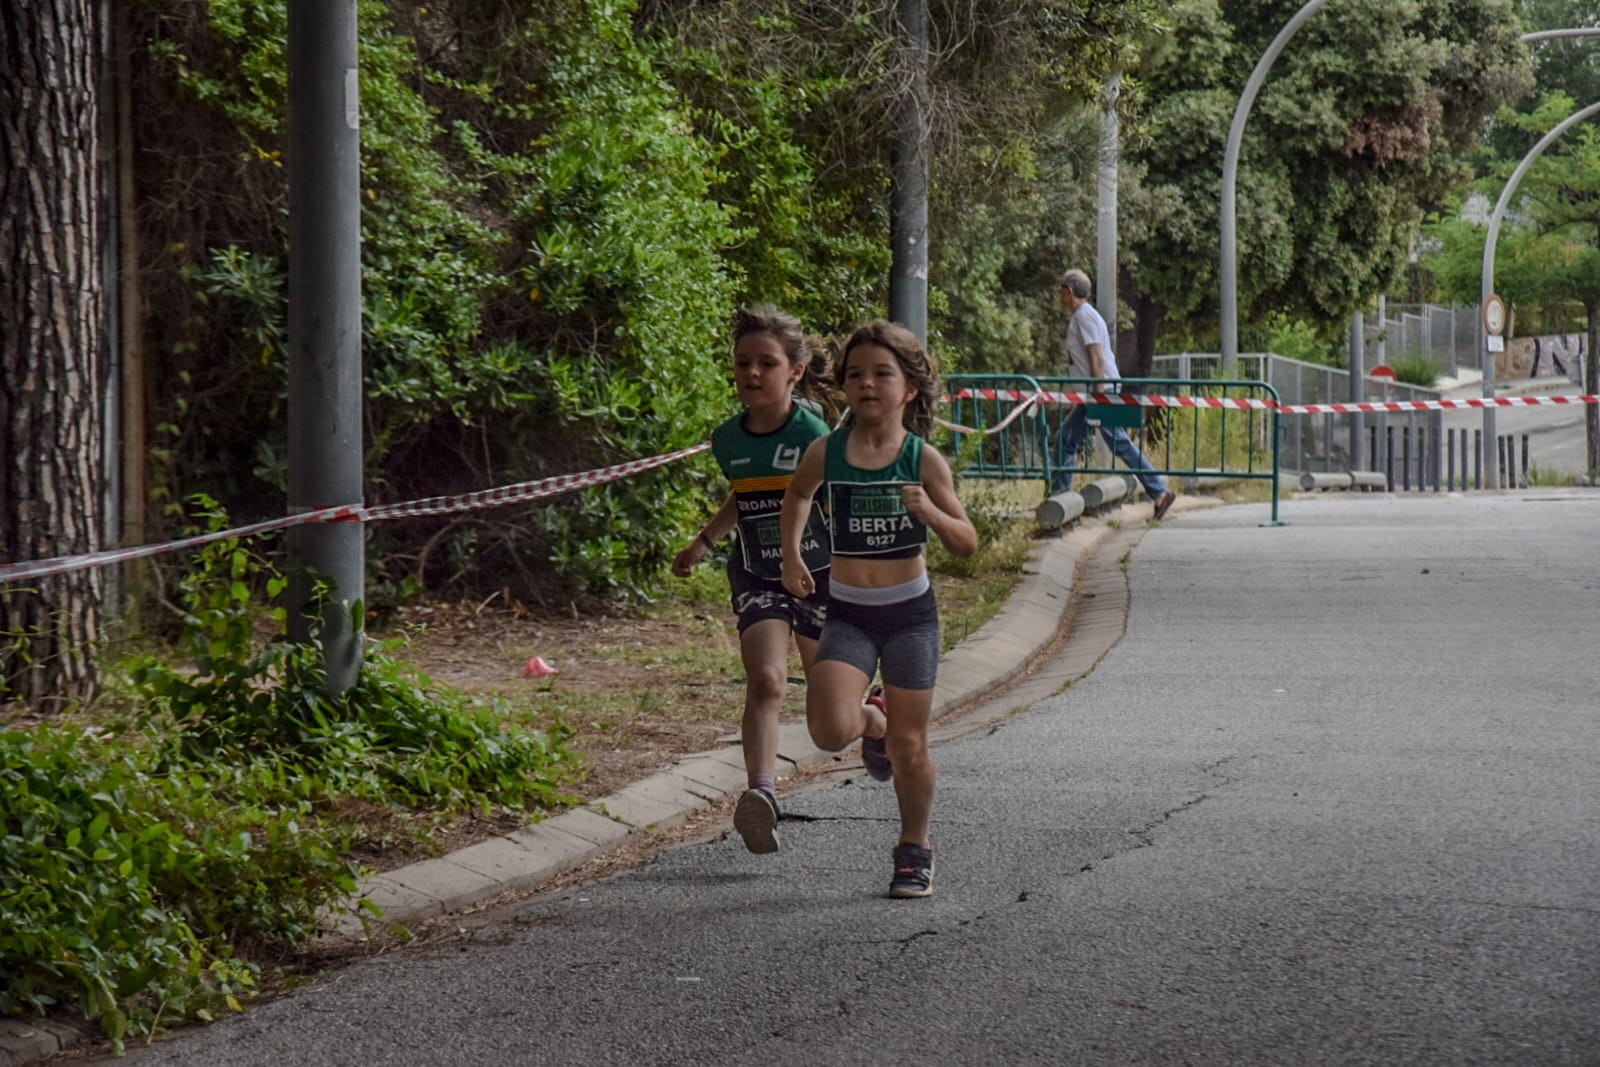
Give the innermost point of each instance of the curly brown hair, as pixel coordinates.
(914, 361)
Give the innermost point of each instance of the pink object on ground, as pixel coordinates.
(538, 668)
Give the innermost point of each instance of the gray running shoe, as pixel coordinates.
(913, 871)
(756, 819)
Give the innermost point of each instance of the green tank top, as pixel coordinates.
(866, 516)
(760, 467)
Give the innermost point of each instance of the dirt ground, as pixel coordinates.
(601, 661)
(639, 693)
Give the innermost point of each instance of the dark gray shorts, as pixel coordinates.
(902, 639)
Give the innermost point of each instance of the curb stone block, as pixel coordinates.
(586, 825)
(23, 1043)
(452, 885)
(399, 903)
(709, 779)
(515, 864)
(654, 802)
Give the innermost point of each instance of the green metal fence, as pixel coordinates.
(1187, 428)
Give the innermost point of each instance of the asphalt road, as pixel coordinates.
(1332, 799)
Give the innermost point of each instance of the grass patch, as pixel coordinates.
(1549, 477)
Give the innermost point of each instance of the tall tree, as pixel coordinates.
(51, 343)
(1365, 120)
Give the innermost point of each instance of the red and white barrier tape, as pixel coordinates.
(1436, 405)
(563, 483)
(439, 505)
(1141, 400)
(1016, 413)
(524, 491)
(1126, 399)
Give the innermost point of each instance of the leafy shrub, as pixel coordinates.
(134, 873)
(394, 737)
(1415, 369)
(126, 891)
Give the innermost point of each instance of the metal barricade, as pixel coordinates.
(1018, 449)
(1190, 428)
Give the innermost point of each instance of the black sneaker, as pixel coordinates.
(913, 871)
(875, 750)
(756, 819)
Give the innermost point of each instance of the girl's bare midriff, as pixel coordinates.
(870, 573)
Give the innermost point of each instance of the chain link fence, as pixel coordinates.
(1322, 443)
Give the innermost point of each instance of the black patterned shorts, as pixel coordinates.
(755, 601)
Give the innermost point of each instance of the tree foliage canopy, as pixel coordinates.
(1366, 118)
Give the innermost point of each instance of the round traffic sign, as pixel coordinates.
(1494, 315)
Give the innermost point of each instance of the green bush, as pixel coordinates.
(136, 872)
(1415, 369)
(394, 737)
(126, 892)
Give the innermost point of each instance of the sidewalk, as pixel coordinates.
(1469, 383)
(989, 658)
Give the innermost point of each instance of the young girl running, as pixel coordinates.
(885, 491)
(758, 451)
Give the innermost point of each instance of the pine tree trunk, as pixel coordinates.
(51, 345)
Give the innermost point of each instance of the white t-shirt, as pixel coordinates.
(1088, 328)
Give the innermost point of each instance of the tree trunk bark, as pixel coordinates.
(1140, 342)
(51, 345)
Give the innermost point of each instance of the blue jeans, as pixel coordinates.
(1075, 428)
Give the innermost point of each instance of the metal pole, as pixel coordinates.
(1487, 286)
(1553, 35)
(908, 210)
(1405, 458)
(1230, 179)
(1436, 435)
(1358, 370)
(325, 449)
(1106, 231)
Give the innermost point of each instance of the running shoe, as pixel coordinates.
(913, 871)
(756, 819)
(875, 750)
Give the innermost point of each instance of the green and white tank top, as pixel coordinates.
(866, 515)
(760, 467)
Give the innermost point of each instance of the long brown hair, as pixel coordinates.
(914, 361)
(800, 347)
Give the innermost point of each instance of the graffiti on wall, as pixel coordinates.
(1539, 357)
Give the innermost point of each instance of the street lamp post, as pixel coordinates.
(1491, 473)
(1228, 268)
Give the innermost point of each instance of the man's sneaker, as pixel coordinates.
(875, 750)
(756, 819)
(913, 871)
(1163, 502)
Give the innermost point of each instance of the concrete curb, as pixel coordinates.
(986, 659)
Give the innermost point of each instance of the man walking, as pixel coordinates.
(1089, 346)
